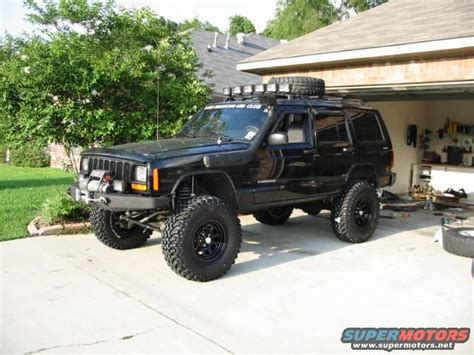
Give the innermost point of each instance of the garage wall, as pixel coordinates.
(461, 111)
(398, 115)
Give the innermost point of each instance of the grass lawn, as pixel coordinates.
(22, 191)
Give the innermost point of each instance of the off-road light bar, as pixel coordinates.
(258, 89)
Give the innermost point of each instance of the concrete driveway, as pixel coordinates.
(294, 288)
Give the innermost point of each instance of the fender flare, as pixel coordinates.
(206, 172)
(369, 166)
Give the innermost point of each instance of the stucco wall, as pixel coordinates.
(398, 116)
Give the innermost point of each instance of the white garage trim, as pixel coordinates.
(378, 52)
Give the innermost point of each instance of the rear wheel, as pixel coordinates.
(274, 216)
(114, 232)
(355, 213)
(201, 241)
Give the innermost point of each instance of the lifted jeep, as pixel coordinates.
(265, 150)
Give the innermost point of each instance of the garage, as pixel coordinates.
(417, 70)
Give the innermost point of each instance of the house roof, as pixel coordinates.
(398, 23)
(222, 62)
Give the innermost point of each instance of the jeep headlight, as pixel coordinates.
(140, 173)
(85, 164)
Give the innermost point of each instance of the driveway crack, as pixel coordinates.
(126, 337)
(178, 323)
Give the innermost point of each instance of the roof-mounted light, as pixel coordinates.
(249, 89)
(284, 88)
(260, 88)
(227, 91)
(272, 87)
(237, 90)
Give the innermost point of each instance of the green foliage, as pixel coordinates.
(295, 18)
(3, 152)
(22, 191)
(91, 76)
(196, 23)
(29, 155)
(240, 23)
(362, 5)
(61, 208)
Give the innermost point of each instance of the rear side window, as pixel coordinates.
(331, 128)
(366, 127)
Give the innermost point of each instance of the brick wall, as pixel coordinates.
(59, 157)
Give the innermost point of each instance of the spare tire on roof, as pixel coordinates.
(302, 85)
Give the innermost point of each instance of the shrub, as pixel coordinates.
(3, 152)
(60, 209)
(29, 156)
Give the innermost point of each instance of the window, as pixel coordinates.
(295, 124)
(331, 128)
(366, 127)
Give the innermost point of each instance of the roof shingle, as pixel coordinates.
(395, 22)
(222, 62)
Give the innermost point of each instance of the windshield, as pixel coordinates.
(230, 121)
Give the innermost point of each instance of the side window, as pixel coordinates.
(366, 127)
(331, 129)
(296, 126)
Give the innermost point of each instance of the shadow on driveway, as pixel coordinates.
(304, 236)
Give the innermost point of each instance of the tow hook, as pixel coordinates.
(100, 199)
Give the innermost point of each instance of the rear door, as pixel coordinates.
(371, 145)
(335, 151)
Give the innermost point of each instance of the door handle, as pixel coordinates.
(348, 149)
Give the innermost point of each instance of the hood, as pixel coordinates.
(150, 151)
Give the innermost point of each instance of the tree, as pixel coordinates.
(361, 5)
(295, 18)
(91, 76)
(239, 24)
(196, 23)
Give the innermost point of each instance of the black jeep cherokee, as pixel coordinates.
(265, 150)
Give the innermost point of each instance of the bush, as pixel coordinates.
(29, 156)
(3, 152)
(61, 209)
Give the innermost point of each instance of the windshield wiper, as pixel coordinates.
(222, 137)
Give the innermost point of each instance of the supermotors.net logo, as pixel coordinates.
(404, 338)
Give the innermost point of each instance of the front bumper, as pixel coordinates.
(119, 201)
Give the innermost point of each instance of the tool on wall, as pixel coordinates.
(412, 133)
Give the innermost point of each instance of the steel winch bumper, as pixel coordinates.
(117, 201)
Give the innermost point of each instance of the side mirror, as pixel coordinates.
(278, 138)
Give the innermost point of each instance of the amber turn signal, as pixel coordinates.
(156, 179)
(138, 187)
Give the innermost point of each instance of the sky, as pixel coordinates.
(216, 12)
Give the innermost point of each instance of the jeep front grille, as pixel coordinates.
(122, 170)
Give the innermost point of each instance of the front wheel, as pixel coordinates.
(274, 216)
(112, 231)
(355, 213)
(201, 241)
